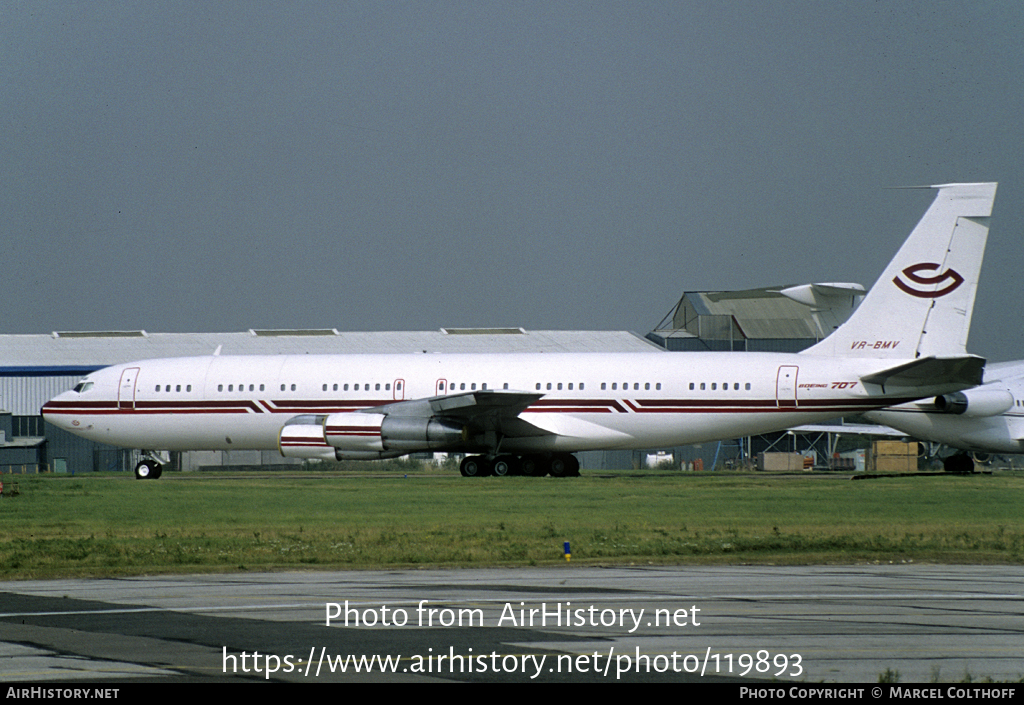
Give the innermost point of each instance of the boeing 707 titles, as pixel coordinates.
(529, 412)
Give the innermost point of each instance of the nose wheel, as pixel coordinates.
(148, 469)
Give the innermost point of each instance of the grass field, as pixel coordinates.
(104, 525)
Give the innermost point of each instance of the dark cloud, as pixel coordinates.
(382, 166)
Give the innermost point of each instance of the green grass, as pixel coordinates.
(114, 525)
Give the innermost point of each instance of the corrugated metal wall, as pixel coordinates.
(24, 396)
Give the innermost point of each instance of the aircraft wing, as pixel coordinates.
(481, 410)
(851, 430)
(466, 406)
(927, 372)
(996, 371)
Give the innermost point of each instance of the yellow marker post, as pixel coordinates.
(568, 553)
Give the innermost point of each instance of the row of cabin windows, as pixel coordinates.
(725, 386)
(241, 387)
(451, 386)
(636, 385)
(604, 386)
(366, 387)
(558, 385)
(461, 386)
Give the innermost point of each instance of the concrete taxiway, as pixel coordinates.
(566, 623)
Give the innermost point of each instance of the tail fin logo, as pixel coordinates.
(911, 272)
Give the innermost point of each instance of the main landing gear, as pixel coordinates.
(960, 464)
(555, 464)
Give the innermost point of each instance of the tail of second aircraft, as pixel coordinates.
(921, 305)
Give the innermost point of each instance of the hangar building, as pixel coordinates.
(773, 319)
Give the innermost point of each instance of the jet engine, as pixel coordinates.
(303, 437)
(358, 432)
(977, 402)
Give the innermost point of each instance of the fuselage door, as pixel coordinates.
(441, 387)
(785, 386)
(399, 388)
(126, 392)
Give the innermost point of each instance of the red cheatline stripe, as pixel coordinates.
(598, 406)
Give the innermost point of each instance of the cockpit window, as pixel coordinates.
(83, 387)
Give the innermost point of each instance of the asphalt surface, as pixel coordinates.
(554, 624)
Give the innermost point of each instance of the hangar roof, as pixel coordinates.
(69, 352)
(794, 312)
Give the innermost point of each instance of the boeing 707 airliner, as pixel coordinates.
(529, 412)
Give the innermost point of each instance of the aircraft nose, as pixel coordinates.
(56, 412)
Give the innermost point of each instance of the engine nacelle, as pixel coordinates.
(411, 433)
(975, 402)
(355, 432)
(373, 433)
(304, 440)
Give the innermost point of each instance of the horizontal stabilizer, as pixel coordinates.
(928, 372)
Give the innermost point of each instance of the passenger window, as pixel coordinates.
(691, 386)
(220, 387)
(647, 385)
(559, 386)
(615, 385)
(604, 385)
(177, 388)
(293, 387)
(702, 386)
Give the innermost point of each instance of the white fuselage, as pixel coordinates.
(590, 401)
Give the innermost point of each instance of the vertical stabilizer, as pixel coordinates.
(922, 303)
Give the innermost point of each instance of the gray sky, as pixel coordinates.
(196, 166)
